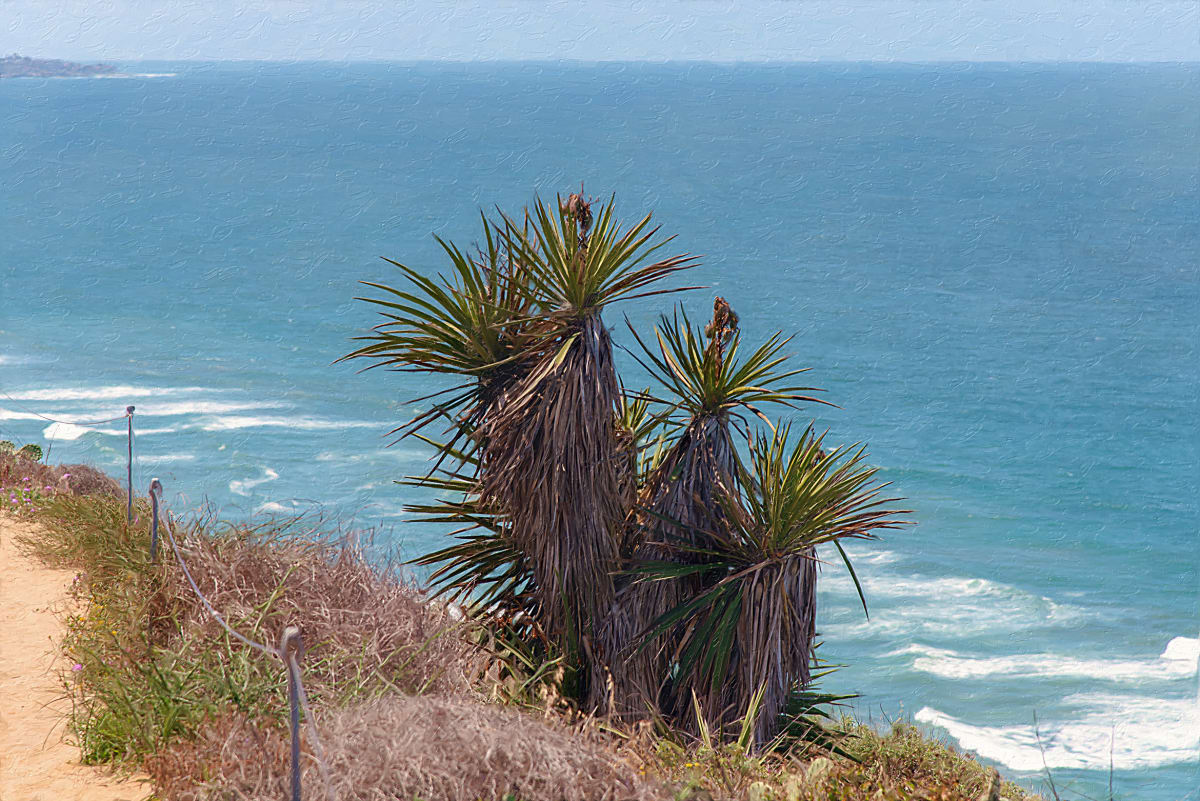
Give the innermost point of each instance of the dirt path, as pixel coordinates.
(35, 763)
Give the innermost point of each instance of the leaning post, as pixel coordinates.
(291, 647)
(156, 489)
(129, 466)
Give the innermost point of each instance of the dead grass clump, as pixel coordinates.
(29, 483)
(229, 752)
(83, 479)
(365, 628)
(435, 749)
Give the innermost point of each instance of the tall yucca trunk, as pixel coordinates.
(554, 464)
(774, 644)
(680, 504)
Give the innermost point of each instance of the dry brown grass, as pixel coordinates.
(397, 684)
(435, 749)
(83, 479)
(365, 628)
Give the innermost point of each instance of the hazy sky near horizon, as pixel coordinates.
(604, 30)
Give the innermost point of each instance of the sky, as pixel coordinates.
(604, 30)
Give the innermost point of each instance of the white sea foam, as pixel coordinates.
(153, 409)
(399, 454)
(871, 557)
(921, 605)
(9, 414)
(244, 486)
(272, 507)
(114, 392)
(301, 423)
(337, 456)
(168, 458)
(1142, 732)
(64, 432)
(1177, 661)
(137, 432)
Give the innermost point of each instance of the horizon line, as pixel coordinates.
(580, 61)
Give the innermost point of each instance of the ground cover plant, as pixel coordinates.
(411, 702)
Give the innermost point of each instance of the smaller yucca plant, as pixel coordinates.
(754, 625)
(711, 386)
(706, 376)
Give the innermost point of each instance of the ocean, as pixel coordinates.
(992, 269)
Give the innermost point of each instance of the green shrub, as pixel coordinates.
(31, 451)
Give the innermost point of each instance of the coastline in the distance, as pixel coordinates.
(18, 66)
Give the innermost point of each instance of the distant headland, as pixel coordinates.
(16, 66)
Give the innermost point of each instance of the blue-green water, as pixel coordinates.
(993, 270)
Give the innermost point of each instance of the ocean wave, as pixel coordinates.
(124, 432)
(397, 454)
(179, 408)
(244, 486)
(1177, 661)
(274, 507)
(112, 392)
(875, 556)
(1138, 732)
(921, 605)
(65, 432)
(9, 414)
(302, 423)
(167, 458)
(337, 456)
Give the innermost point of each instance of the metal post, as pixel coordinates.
(156, 489)
(291, 647)
(129, 466)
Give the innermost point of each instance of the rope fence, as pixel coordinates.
(291, 643)
(289, 652)
(128, 416)
(82, 424)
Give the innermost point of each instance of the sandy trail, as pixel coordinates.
(35, 763)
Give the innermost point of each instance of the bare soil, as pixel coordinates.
(36, 762)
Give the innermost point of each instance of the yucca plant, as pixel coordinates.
(755, 622)
(620, 534)
(554, 462)
(710, 390)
